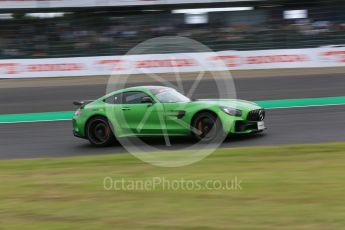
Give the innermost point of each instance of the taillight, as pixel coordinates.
(78, 113)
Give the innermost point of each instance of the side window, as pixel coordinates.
(115, 99)
(133, 97)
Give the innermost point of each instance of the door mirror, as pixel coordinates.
(146, 100)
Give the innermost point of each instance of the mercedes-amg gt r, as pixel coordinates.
(159, 111)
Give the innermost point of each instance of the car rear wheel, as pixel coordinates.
(99, 132)
(207, 128)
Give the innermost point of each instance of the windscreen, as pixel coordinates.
(166, 95)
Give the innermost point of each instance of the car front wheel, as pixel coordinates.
(207, 128)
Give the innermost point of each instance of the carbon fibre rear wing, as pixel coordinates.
(82, 103)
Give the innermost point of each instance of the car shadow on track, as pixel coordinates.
(175, 143)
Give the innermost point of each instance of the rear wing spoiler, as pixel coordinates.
(82, 103)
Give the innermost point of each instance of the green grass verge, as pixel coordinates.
(285, 187)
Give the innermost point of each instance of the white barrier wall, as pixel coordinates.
(20, 4)
(165, 63)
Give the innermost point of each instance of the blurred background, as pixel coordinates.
(222, 25)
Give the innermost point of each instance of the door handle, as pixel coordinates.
(126, 108)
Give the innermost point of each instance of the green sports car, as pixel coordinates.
(159, 111)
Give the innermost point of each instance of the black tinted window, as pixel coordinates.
(133, 97)
(115, 99)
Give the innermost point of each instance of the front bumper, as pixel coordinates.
(244, 126)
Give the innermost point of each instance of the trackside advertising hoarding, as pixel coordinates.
(22, 4)
(166, 63)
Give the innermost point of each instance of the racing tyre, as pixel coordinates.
(207, 128)
(99, 132)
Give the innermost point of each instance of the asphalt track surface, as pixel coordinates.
(285, 126)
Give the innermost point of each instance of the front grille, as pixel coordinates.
(256, 115)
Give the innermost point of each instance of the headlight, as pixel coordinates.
(78, 113)
(232, 111)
